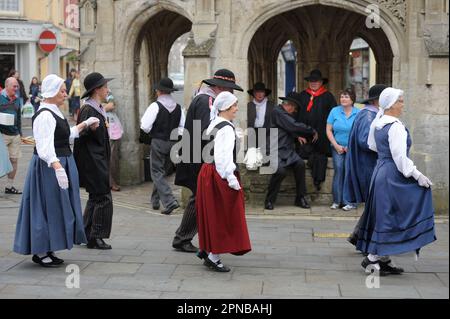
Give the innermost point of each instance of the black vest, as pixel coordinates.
(165, 122)
(214, 132)
(61, 135)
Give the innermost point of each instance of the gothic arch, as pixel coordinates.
(139, 32)
(152, 28)
(390, 28)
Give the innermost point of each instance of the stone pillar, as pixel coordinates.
(197, 67)
(336, 77)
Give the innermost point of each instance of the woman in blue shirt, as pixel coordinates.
(339, 124)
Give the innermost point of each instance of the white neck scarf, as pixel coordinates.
(260, 112)
(52, 107)
(97, 106)
(259, 104)
(208, 91)
(168, 102)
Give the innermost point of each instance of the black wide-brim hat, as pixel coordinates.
(93, 81)
(374, 93)
(166, 85)
(292, 97)
(224, 78)
(259, 86)
(316, 75)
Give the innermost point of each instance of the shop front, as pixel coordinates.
(19, 50)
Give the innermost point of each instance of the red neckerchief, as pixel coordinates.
(313, 94)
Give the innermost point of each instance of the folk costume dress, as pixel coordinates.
(360, 160)
(399, 213)
(187, 171)
(159, 120)
(92, 154)
(50, 218)
(222, 227)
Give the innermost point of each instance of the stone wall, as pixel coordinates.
(255, 187)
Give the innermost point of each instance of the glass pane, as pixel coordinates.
(7, 48)
(9, 5)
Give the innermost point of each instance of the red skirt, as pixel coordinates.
(222, 227)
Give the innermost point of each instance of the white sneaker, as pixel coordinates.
(334, 206)
(348, 207)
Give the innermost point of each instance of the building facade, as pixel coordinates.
(130, 40)
(22, 22)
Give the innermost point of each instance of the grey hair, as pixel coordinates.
(9, 81)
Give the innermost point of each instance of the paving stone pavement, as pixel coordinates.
(288, 259)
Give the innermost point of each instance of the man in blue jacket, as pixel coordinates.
(10, 104)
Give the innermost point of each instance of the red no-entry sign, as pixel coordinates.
(47, 41)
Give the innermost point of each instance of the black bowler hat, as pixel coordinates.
(92, 81)
(224, 78)
(292, 97)
(374, 93)
(166, 85)
(259, 86)
(316, 75)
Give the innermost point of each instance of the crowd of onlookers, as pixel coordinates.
(14, 100)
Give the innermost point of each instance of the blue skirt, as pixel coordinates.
(399, 214)
(50, 218)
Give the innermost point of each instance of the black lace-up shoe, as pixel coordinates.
(387, 267)
(216, 266)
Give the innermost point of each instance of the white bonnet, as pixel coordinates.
(51, 86)
(222, 102)
(388, 97)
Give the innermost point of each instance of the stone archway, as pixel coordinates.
(387, 41)
(323, 36)
(146, 46)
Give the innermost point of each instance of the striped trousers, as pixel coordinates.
(188, 227)
(98, 216)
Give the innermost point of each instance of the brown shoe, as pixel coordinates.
(115, 188)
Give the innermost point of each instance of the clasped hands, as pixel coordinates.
(303, 140)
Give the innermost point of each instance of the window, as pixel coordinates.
(10, 5)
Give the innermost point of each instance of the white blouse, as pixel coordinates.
(397, 136)
(224, 143)
(150, 115)
(44, 126)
